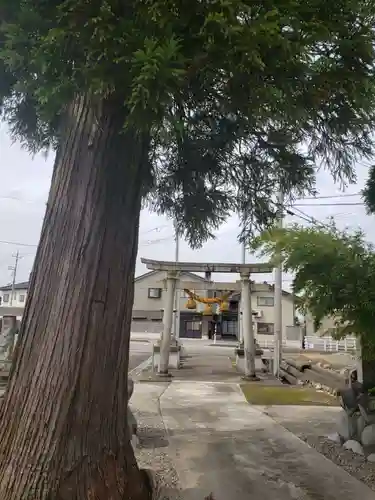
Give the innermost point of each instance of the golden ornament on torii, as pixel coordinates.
(209, 302)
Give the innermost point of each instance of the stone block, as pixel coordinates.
(240, 363)
(354, 446)
(335, 437)
(174, 347)
(368, 435)
(174, 357)
(371, 458)
(347, 425)
(361, 424)
(132, 423)
(134, 442)
(349, 399)
(239, 351)
(130, 387)
(366, 405)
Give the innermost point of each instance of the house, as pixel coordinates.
(19, 295)
(13, 304)
(327, 327)
(149, 303)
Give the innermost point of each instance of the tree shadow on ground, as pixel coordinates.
(152, 437)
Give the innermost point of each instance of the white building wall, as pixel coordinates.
(19, 298)
(142, 301)
(327, 325)
(267, 312)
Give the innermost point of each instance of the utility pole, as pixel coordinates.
(278, 334)
(240, 317)
(177, 296)
(14, 268)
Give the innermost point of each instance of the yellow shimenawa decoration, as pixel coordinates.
(207, 311)
(224, 306)
(191, 304)
(194, 298)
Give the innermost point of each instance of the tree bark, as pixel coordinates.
(64, 432)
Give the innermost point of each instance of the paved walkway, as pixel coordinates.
(209, 364)
(220, 444)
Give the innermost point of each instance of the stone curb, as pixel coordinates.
(142, 366)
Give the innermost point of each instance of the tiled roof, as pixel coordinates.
(18, 286)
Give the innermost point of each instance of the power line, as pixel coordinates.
(359, 203)
(343, 195)
(17, 244)
(154, 242)
(293, 214)
(306, 217)
(156, 229)
(23, 200)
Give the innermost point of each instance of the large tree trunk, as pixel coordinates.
(64, 434)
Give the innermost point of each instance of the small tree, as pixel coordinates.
(334, 277)
(197, 109)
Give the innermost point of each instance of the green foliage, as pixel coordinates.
(334, 274)
(238, 96)
(369, 191)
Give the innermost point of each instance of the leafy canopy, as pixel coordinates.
(334, 274)
(238, 96)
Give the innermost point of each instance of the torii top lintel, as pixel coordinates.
(200, 267)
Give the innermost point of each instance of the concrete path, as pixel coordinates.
(315, 421)
(222, 445)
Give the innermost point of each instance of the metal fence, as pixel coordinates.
(327, 344)
(269, 343)
(348, 344)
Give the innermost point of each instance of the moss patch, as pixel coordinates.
(286, 395)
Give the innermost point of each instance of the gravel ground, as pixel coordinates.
(151, 453)
(354, 464)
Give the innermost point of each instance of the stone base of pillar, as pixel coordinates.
(163, 376)
(174, 356)
(173, 342)
(250, 378)
(240, 363)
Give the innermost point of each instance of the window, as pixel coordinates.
(6, 297)
(193, 326)
(265, 328)
(266, 301)
(154, 293)
(22, 298)
(229, 327)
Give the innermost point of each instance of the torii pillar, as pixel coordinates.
(166, 338)
(247, 325)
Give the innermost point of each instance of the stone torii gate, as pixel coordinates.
(173, 270)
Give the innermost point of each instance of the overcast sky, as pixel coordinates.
(24, 185)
